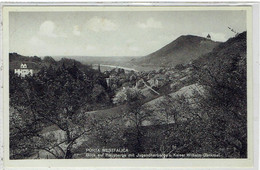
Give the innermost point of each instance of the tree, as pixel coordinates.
(135, 115)
(52, 101)
(24, 124)
(224, 78)
(107, 131)
(22, 131)
(168, 108)
(179, 126)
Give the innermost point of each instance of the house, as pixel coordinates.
(23, 71)
(110, 80)
(171, 75)
(151, 82)
(159, 80)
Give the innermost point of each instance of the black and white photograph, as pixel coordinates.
(123, 84)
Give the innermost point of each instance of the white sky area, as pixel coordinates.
(114, 33)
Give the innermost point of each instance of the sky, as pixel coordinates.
(114, 33)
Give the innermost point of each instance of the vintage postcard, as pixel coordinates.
(128, 86)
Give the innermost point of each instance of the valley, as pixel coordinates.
(173, 101)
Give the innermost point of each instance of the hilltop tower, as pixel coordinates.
(23, 71)
(208, 37)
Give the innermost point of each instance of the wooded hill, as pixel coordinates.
(180, 51)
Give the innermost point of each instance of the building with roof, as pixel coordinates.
(208, 37)
(159, 80)
(23, 71)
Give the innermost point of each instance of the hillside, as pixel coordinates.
(36, 63)
(235, 46)
(181, 51)
(221, 62)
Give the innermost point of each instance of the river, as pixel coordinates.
(105, 67)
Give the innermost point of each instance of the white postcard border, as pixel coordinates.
(127, 162)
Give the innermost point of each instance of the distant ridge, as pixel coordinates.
(180, 51)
